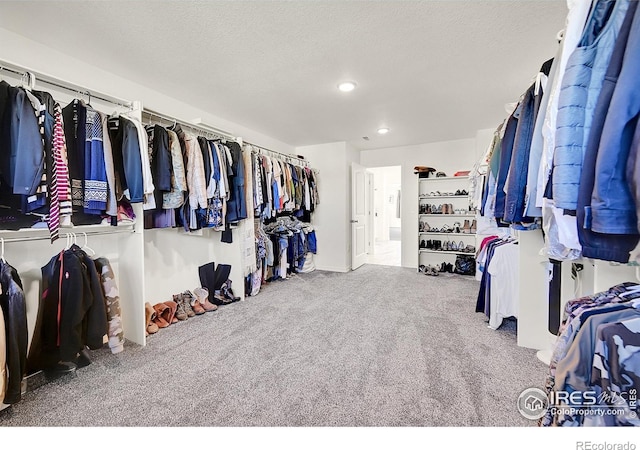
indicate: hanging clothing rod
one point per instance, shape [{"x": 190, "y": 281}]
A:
[
  {"x": 201, "y": 128},
  {"x": 288, "y": 157},
  {"x": 34, "y": 77},
  {"x": 47, "y": 237}
]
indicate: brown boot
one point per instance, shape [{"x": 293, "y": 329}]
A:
[
  {"x": 161, "y": 313},
  {"x": 149, "y": 315},
  {"x": 193, "y": 301},
  {"x": 170, "y": 314},
  {"x": 181, "y": 312}
]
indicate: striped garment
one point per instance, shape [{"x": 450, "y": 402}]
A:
[{"x": 59, "y": 188}]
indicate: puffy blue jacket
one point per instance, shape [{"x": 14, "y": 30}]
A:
[{"x": 580, "y": 88}]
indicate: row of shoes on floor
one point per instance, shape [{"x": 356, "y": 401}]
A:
[
  {"x": 467, "y": 228},
  {"x": 183, "y": 306},
  {"x": 446, "y": 208},
  {"x": 447, "y": 246},
  {"x": 437, "y": 269},
  {"x": 441, "y": 194}
]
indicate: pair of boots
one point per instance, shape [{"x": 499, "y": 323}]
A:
[
  {"x": 469, "y": 227},
  {"x": 194, "y": 303},
  {"x": 216, "y": 280},
  {"x": 160, "y": 315}
]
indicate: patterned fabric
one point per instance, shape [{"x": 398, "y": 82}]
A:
[
  {"x": 95, "y": 183},
  {"x": 572, "y": 321},
  {"x": 61, "y": 169},
  {"x": 112, "y": 304},
  {"x": 196, "y": 181},
  {"x": 175, "y": 198},
  {"x": 616, "y": 370}
]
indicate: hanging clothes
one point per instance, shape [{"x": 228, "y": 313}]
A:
[
  {"x": 72, "y": 313},
  {"x": 15, "y": 335}
]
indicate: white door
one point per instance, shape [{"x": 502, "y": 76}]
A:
[
  {"x": 370, "y": 208},
  {"x": 359, "y": 217}
]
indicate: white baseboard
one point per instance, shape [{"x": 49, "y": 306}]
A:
[{"x": 333, "y": 268}]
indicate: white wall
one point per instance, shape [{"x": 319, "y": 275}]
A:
[
  {"x": 170, "y": 259},
  {"x": 449, "y": 157},
  {"x": 331, "y": 218},
  {"x": 483, "y": 140},
  {"x": 20, "y": 50}
]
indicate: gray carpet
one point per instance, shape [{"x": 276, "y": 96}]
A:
[{"x": 380, "y": 346}]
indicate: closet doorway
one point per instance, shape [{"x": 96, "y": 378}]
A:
[{"x": 386, "y": 223}]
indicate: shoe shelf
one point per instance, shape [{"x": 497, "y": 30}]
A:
[
  {"x": 447, "y": 252},
  {"x": 466, "y": 177},
  {"x": 452, "y": 194},
  {"x": 439, "y": 233},
  {"x": 449, "y": 215},
  {"x": 425, "y": 197}
]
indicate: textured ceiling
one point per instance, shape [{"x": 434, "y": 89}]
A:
[{"x": 429, "y": 70}]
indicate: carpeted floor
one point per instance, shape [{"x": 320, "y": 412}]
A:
[{"x": 380, "y": 346}]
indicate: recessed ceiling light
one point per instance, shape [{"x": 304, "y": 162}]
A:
[
  {"x": 383, "y": 130},
  {"x": 347, "y": 86}
]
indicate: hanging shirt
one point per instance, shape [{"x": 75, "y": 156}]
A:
[
  {"x": 196, "y": 181},
  {"x": 505, "y": 284}
]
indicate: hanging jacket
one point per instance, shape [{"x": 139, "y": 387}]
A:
[
  {"x": 21, "y": 151},
  {"x": 12, "y": 302},
  {"x": 600, "y": 245},
  {"x": 72, "y": 311},
  {"x": 236, "y": 206},
  {"x": 175, "y": 198},
  {"x": 581, "y": 85},
  {"x": 613, "y": 209},
  {"x": 3, "y": 357},
  {"x": 75, "y": 118},
  {"x": 196, "y": 180},
  {"x": 160, "y": 159}
]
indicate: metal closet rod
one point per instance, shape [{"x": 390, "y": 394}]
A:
[
  {"x": 302, "y": 161},
  {"x": 124, "y": 229},
  {"x": 34, "y": 76},
  {"x": 200, "y": 128}
]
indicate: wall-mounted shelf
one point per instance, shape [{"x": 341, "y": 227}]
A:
[
  {"x": 426, "y": 197},
  {"x": 448, "y": 252},
  {"x": 441, "y": 233},
  {"x": 449, "y": 215},
  {"x": 447, "y": 187}
]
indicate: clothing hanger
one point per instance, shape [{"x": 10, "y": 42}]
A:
[
  {"x": 2, "y": 251},
  {"x": 86, "y": 248}
]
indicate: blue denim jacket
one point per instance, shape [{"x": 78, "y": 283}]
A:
[
  {"x": 612, "y": 206},
  {"x": 598, "y": 245}
]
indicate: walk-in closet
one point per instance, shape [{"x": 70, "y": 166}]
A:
[{"x": 352, "y": 215}]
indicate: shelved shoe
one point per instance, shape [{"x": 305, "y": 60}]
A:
[
  {"x": 466, "y": 228},
  {"x": 474, "y": 227}
]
